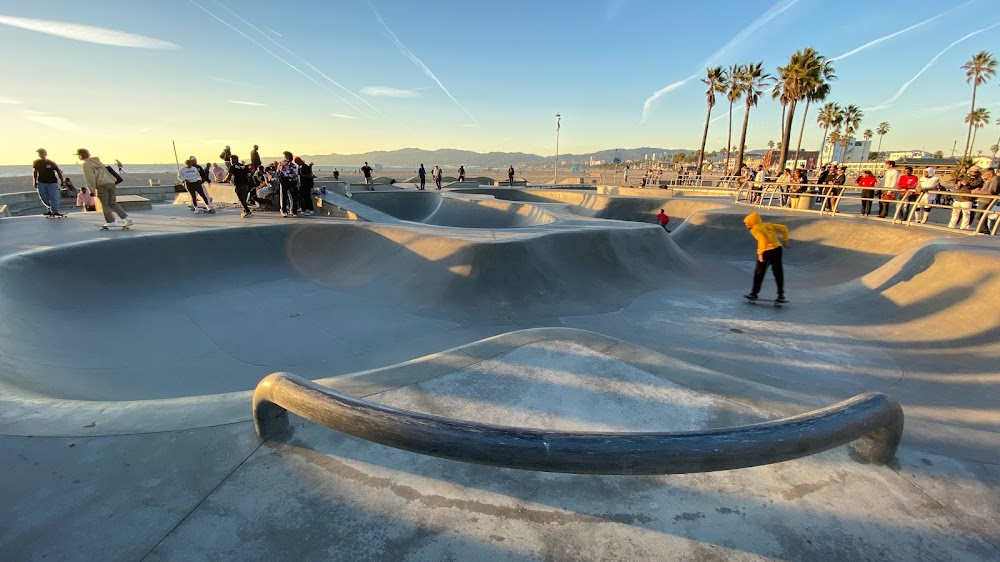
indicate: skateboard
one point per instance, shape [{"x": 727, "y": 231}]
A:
[
  {"x": 772, "y": 301},
  {"x": 105, "y": 227},
  {"x": 59, "y": 216}
]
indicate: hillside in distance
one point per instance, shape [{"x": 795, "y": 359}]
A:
[{"x": 452, "y": 158}]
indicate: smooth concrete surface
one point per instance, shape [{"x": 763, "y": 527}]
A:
[
  {"x": 117, "y": 444},
  {"x": 433, "y": 207}
]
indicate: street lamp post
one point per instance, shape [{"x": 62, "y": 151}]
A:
[{"x": 555, "y": 174}]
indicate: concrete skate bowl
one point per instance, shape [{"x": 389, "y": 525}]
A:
[
  {"x": 586, "y": 203},
  {"x": 209, "y": 312},
  {"x": 823, "y": 251},
  {"x": 435, "y": 209}
]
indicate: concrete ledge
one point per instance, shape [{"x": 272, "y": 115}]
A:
[{"x": 129, "y": 203}]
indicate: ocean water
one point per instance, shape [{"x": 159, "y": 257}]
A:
[{"x": 74, "y": 168}]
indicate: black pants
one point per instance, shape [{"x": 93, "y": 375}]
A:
[
  {"x": 883, "y": 208},
  {"x": 772, "y": 259},
  {"x": 195, "y": 188},
  {"x": 866, "y": 205},
  {"x": 242, "y": 193},
  {"x": 423, "y": 182},
  {"x": 289, "y": 195},
  {"x": 305, "y": 194}
]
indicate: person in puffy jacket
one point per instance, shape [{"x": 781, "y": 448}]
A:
[{"x": 770, "y": 239}]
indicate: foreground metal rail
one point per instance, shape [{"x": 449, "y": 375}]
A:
[{"x": 876, "y": 418}]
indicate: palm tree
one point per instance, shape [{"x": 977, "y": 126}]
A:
[
  {"x": 733, "y": 94},
  {"x": 868, "y": 137},
  {"x": 977, "y": 120},
  {"x": 770, "y": 145},
  {"x": 998, "y": 139},
  {"x": 938, "y": 154},
  {"x": 850, "y": 119},
  {"x": 828, "y": 117},
  {"x": 978, "y": 70},
  {"x": 717, "y": 81},
  {"x": 753, "y": 80},
  {"x": 994, "y": 149},
  {"x": 882, "y": 129},
  {"x": 821, "y": 89},
  {"x": 802, "y": 76}
]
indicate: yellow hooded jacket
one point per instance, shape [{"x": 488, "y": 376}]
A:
[{"x": 766, "y": 233}]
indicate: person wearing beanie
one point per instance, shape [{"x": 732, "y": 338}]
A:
[{"x": 769, "y": 249}]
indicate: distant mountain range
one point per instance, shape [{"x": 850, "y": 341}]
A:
[{"x": 452, "y": 158}]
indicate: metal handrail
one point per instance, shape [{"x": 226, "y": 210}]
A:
[
  {"x": 764, "y": 195},
  {"x": 875, "y": 418}
]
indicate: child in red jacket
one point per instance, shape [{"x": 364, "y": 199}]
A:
[{"x": 664, "y": 219}]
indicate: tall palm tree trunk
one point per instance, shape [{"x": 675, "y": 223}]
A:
[
  {"x": 704, "y": 137},
  {"x": 802, "y": 130},
  {"x": 879, "y": 151},
  {"x": 786, "y": 135},
  {"x": 822, "y": 145},
  {"x": 973, "y": 144},
  {"x": 968, "y": 137},
  {"x": 743, "y": 137},
  {"x": 729, "y": 139}
]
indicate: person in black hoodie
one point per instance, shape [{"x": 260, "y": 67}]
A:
[
  {"x": 306, "y": 183},
  {"x": 241, "y": 175}
]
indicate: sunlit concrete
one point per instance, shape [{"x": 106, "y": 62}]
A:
[{"x": 128, "y": 357}]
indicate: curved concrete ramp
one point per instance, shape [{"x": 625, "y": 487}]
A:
[{"x": 436, "y": 209}]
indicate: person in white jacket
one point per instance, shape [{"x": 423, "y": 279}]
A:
[
  {"x": 190, "y": 176},
  {"x": 100, "y": 182}
]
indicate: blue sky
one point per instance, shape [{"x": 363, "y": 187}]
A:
[{"x": 473, "y": 75}]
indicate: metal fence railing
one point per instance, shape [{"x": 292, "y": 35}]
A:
[{"x": 915, "y": 209}]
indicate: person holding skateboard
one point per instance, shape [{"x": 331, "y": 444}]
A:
[{"x": 769, "y": 248}]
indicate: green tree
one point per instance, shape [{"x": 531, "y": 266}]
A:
[
  {"x": 977, "y": 120},
  {"x": 754, "y": 80},
  {"x": 938, "y": 154},
  {"x": 717, "y": 81},
  {"x": 821, "y": 89},
  {"x": 733, "y": 94},
  {"x": 978, "y": 70},
  {"x": 770, "y": 145},
  {"x": 882, "y": 129},
  {"x": 868, "y": 134},
  {"x": 850, "y": 119},
  {"x": 799, "y": 78},
  {"x": 994, "y": 149},
  {"x": 828, "y": 117}
]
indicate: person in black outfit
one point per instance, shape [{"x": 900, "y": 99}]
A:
[
  {"x": 510, "y": 175},
  {"x": 241, "y": 175},
  {"x": 255, "y": 157},
  {"x": 461, "y": 173},
  {"x": 306, "y": 183},
  {"x": 422, "y": 174}
]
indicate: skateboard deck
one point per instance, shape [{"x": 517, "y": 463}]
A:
[
  {"x": 772, "y": 301},
  {"x": 105, "y": 227}
]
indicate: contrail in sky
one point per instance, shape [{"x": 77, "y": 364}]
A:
[
  {"x": 409, "y": 54},
  {"x": 929, "y": 64},
  {"x": 774, "y": 12},
  {"x": 714, "y": 119},
  {"x": 307, "y": 63},
  {"x": 87, "y": 33},
  {"x": 891, "y": 35}
]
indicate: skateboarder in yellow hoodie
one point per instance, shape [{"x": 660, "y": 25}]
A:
[{"x": 768, "y": 253}]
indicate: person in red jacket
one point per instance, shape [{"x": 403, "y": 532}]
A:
[
  {"x": 867, "y": 183},
  {"x": 907, "y": 192},
  {"x": 664, "y": 219}
]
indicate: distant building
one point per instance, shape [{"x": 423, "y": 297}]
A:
[
  {"x": 903, "y": 154},
  {"x": 857, "y": 151}
]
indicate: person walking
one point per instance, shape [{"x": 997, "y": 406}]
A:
[
  {"x": 890, "y": 181},
  {"x": 436, "y": 176},
  {"x": 241, "y": 174},
  {"x": 625, "y": 177},
  {"x": 367, "y": 171},
  {"x": 929, "y": 182},
  {"x": 255, "y": 157},
  {"x": 190, "y": 177},
  {"x": 306, "y": 183},
  {"x": 100, "y": 182},
  {"x": 510, "y": 174},
  {"x": 461, "y": 173},
  {"x": 46, "y": 177},
  {"x": 769, "y": 249},
  {"x": 288, "y": 178},
  {"x": 422, "y": 174}
]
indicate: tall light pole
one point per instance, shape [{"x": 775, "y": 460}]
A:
[{"x": 555, "y": 174}]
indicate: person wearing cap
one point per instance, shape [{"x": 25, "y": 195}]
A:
[
  {"x": 929, "y": 182},
  {"x": 46, "y": 177},
  {"x": 961, "y": 207},
  {"x": 990, "y": 188},
  {"x": 101, "y": 183}
]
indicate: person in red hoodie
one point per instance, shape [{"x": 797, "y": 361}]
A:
[
  {"x": 664, "y": 219},
  {"x": 907, "y": 193},
  {"x": 867, "y": 183}
]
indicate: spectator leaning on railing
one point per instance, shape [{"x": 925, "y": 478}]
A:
[
  {"x": 961, "y": 207},
  {"x": 986, "y": 204},
  {"x": 929, "y": 182}
]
